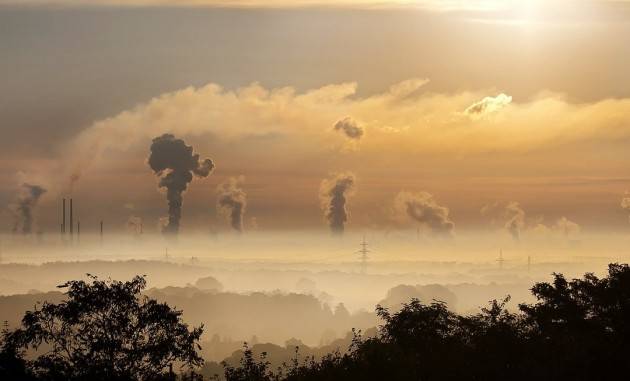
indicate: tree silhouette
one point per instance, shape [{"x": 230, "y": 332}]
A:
[
  {"x": 105, "y": 331},
  {"x": 577, "y": 330}
]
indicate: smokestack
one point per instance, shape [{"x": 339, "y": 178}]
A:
[
  {"x": 63, "y": 224},
  {"x": 78, "y": 231},
  {"x": 71, "y": 221},
  {"x": 101, "y": 231}
]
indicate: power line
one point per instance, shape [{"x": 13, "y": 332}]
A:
[
  {"x": 363, "y": 255},
  {"x": 501, "y": 260}
]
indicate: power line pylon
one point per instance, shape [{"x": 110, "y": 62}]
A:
[
  {"x": 363, "y": 255},
  {"x": 501, "y": 260}
]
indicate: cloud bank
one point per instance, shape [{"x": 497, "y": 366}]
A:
[{"x": 404, "y": 121}]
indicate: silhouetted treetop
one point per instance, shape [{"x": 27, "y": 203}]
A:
[{"x": 105, "y": 330}]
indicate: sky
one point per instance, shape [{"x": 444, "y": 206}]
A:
[{"x": 447, "y": 115}]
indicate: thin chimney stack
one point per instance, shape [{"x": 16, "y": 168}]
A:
[
  {"x": 71, "y": 221},
  {"x": 63, "y": 224}
]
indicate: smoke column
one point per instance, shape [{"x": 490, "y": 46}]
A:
[
  {"x": 333, "y": 195},
  {"x": 134, "y": 225},
  {"x": 625, "y": 203},
  {"x": 175, "y": 163},
  {"x": 423, "y": 209},
  {"x": 232, "y": 201},
  {"x": 510, "y": 214},
  {"x": 26, "y": 204}
]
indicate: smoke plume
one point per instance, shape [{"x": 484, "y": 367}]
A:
[
  {"x": 135, "y": 225},
  {"x": 333, "y": 195},
  {"x": 349, "y": 127},
  {"x": 25, "y": 206},
  {"x": 510, "y": 215},
  {"x": 232, "y": 201},
  {"x": 175, "y": 163},
  {"x": 423, "y": 209},
  {"x": 625, "y": 203},
  {"x": 566, "y": 227}
]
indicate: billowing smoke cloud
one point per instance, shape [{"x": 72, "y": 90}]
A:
[
  {"x": 24, "y": 208},
  {"x": 566, "y": 227},
  {"x": 176, "y": 163},
  {"x": 510, "y": 215},
  {"x": 422, "y": 208},
  {"x": 488, "y": 105},
  {"x": 625, "y": 203},
  {"x": 232, "y": 201},
  {"x": 349, "y": 127},
  {"x": 333, "y": 194}
]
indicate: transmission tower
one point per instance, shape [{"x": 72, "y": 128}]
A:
[
  {"x": 363, "y": 255},
  {"x": 501, "y": 260}
]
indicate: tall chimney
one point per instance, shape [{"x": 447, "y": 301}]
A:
[
  {"x": 71, "y": 221},
  {"x": 78, "y": 231},
  {"x": 101, "y": 232},
  {"x": 63, "y": 224}
]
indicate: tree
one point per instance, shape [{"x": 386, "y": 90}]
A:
[
  {"x": 105, "y": 331},
  {"x": 250, "y": 369}
]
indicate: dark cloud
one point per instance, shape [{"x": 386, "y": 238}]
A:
[
  {"x": 349, "y": 127},
  {"x": 423, "y": 209},
  {"x": 232, "y": 201},
  {"x": 176, "y": 163},
  {"x": 24, "y": 208},
  {"x": 333, "y": 195}
]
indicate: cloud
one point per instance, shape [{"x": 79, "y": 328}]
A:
[
  {"x": 488, "y": 105},
  {"x": 431, "y": 5},
  {"x": 349, "y": 127},
  {"x": 403, "y": 122},
  {"x": 422, "y": 208},
  {"x": 334, "y": 195}
]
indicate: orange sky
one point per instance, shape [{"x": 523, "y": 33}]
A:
[{"x": 519, "y": 103}]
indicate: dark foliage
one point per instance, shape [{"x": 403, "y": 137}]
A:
[
  {"x": 103, "y": 331},
  {"x": 578, "y": 330}
]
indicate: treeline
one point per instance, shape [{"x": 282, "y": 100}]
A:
[{"x": 577, "y": 329}]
